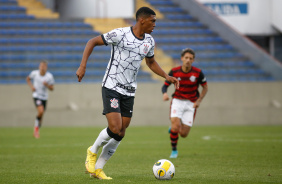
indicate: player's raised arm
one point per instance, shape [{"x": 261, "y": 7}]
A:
[
  {"x": 155, "y": 67},
  {"x": 86, "y": 53}
]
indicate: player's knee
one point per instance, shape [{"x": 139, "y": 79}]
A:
[
  {"x": 40, "y": 113},
  {"x": 115, "y": 128},
  {"x": 175, "y": 128},
  {"x": 184, "y": 131},
  {"x": 122, "y": 133},
  {"x": 185, "y": 134},
  {"x": 114, "y": 135}
]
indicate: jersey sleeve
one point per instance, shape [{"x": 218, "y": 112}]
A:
[
  {"x": 202, "y": 78},
  {"x": 32, "y": 74},
  {"x": 112, "y": 37},
  {"x": 51, "y": 80},
  {"x": 151, "y": 51}
]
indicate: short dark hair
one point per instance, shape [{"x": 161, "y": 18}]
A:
[
  {"x": 44, "y": 61},
  {"x": 144, "y": 11},
  {"x": 188, "y": 50}
]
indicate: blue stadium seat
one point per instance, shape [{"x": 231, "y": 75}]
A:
[
  {"x": 189, "y": 40},
  {"x": 154, "y": 3},
  {"x": 196, "y": 47},
  {"x": 178, "y": 24},
  {"x": 37, "y": 24},
  {"x": 170, "y": 9},
  {"x": 16, "y": 16},
  {"x": 178, "y": 17},
  {"x": 43, "y": 40},
  {"x": 48, "y": 48},
  {"x": 55, "y": 57},
  {"x": 6, "y": 74},
  {"x": 47, "y": 32},
  {"x": 213, "y": 55},
  {"x": 12, "y": 8},
  {"x": 181, "y": 31},
  {"x": 8, "y": 1}
]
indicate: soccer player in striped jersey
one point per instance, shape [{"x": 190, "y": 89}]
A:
[
  {"x": 186, "y": 99},
  {"x": 130, "y": 45}
]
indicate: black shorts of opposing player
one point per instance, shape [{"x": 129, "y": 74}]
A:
[
  {"x": 116, "y": 102},
  {"x": 39, "y": 102}
]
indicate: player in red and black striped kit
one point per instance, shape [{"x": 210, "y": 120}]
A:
[{"x": 186, "y": 99}]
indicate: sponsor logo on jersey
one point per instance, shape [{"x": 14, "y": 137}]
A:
[
  {"x": 129, "y": 89},
  {"x": 114, "y": 103},
  {"x": 179, "y": 78},
  {"x": 110, "y": 35},
  {"x": 192, "y": 78}
]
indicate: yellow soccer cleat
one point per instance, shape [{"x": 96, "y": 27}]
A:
[
  {"x": 99, "y": 173},
  {"x": 90, "y": 161}
]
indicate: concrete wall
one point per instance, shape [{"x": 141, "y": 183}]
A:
[
  {"x": 96, "y": 8},
  {"x": 225, "y": 104},
  {"x": 276, "y": 14}
]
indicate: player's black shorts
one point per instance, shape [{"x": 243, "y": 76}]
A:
[
  {"x": 116, "y": 102},
  {"x": 39, "y": 102}
]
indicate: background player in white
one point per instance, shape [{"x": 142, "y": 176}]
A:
[
  {"x": 129, "y": 46},
  {"x": 42, "y": 82},
  {"x": 186, "y": 99}
]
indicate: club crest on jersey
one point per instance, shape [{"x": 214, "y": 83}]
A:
[
  {"x": 114, "y": 103},
  {"x": 146, "y": 48},
  {"x": 192, "y": 78}
]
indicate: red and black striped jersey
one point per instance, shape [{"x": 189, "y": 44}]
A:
[{"x": 188, "y": 83}]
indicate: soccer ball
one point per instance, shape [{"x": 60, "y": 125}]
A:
[{"x": 163, "y": 169}]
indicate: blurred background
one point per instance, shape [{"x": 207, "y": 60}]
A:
[{"x": 238, "y": 46}]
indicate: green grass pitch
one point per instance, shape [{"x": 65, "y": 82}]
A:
[{"x": 210, "y": 154}]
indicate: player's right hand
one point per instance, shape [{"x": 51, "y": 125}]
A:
[{"x": 80, "y": 73}]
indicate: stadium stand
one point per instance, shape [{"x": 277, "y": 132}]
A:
[
  {"x": 27, "y": 37},
  {"x": 218, "y": 59}
]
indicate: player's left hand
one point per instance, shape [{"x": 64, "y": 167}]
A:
[{"x": 196, "y": 104}]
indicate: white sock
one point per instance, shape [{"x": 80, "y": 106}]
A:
[
  {"x": 36, "y": 123},
  {"x": 107, "y": 152},
  {"x": 101, "y": 140}
]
